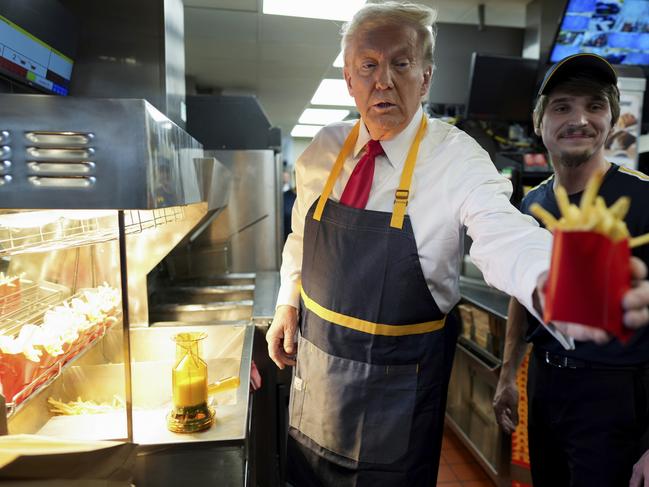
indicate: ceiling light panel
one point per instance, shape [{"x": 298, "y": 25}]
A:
[
  {"x": 332, "y": 92},
  {"x": 305, "y": 130},
  {"x": 322, "y": 116}
]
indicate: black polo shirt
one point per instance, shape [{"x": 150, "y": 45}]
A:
[{"x": 618, "y": 181}]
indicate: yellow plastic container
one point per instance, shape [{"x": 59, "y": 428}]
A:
[{"x": 190, "y": 411}]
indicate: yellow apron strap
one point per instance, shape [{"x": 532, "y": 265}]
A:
[
  {"x": 403, "y": 191},
  {"x": 348, "y": 146}
]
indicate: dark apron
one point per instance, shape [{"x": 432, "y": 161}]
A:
[{"x": 374, "y": 355}]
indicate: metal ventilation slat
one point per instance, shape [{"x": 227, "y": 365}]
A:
[
  {"x": 63, "y": 139},
  {"x": 62, "y": 182},
  {"x": 60, "y": 154},
  {"x": 61, "y": 168}
]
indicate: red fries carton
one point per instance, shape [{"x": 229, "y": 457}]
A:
[
  {"x": 16, "y": 371},
  {"x": 589, "y": 275}
]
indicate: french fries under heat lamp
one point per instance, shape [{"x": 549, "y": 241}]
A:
[{"x": 589, "y": 271}]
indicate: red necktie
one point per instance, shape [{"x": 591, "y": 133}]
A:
[{"x": 357, "y": 191}]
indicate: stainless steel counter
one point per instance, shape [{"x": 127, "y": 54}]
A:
[
  {"x": 219, "y": 456},
  {"x": 227, "y": 351},
  {"x": 224, "y": 455},
  {"x": 477, "y": 292},
  {"x": 231, "y": 413}
]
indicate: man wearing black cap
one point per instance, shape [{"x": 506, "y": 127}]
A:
[{"x": 588, "y": 407}]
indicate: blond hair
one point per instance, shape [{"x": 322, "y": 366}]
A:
[{"x": 420, "y": 17}]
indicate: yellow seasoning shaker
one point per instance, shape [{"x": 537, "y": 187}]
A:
[{"x": 190, "y": 411}]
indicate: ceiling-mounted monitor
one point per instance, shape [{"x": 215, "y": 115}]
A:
[
  {"x": 35, "y": 45},
  {"x": 615, "y": 29},
  {"x": 501, "y": 88}
]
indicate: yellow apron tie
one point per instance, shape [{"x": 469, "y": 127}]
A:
[
  {"x": 368, "y": 326},
  {"x": 403, "y": 191}
]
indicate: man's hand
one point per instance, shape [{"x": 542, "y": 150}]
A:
[
  {"x": 281, "y": 336},
  {"x": 635, "y": 304},
  {"x": 636, "y": 299},
  {"x": 505, "y": 404},
  {"x": 640, "y": 476}
]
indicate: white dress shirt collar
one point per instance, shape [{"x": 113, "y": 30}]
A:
[{"x": 396, "y": 149}]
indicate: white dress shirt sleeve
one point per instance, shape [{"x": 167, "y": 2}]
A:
[
  {"x": 291, "y": 270},
  {"x": 510, "y": 248}
]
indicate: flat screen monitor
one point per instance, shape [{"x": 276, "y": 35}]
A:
[
  {"x": 28, "y": 56},
  {"x": 501, "y": 88},
  {"x": 615, "y": 29}
]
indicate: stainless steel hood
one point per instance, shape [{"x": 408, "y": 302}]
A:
[{"x": 90, "y": 153}]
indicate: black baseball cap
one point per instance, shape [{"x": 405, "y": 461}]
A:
[{"x": 578, "y": 63}]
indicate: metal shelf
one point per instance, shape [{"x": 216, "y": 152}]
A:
[
  {"x": 49, "y": 230},
  {"x": 486, "y": 359},
  {"x": 28, "y": 303}
]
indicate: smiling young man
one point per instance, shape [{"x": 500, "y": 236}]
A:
[{"x": 588, "y": 408}]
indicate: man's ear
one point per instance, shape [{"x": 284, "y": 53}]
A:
[
  {"x": 348, "y": 81},
  {"x": 428, "y": 74},
  {"x": 537, "y": 128}
]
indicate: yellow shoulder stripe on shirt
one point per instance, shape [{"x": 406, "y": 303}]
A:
[
  {"x": 542, "y": 183},
  {"x": 637, "y": 174},
  {"x": 367, "y": 326}
]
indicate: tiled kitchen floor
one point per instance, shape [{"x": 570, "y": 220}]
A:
[{"x": 457, "y": 467}]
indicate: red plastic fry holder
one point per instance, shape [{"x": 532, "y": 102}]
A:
[{"x": 589, "y": 275}]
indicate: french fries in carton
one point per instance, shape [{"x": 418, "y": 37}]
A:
[
  {"x": 38, "y": 351},
  {"x": 589, "y": 270}
]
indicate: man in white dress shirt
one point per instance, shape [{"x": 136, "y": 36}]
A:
[{"x": 373, "y": 266}]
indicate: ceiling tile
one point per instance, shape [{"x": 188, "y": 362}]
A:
[
  {"x": 506, "y": 13},
  {"x": 275, "y": 28},
  {"x": 298, "y": 55},
  {"x": 247, "y": 5},
  {"x": 221, "y": 24},
  {"x": 209, "y": 49}
]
